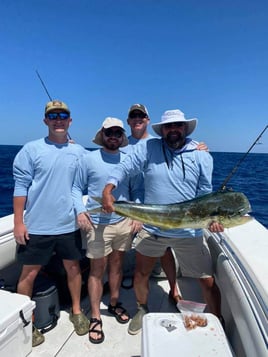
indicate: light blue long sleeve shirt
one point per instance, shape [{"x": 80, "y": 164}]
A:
[
  {"x": 170, "y": 176},
  {"x": 93, "y": 171},
  {"x": 44, "y": 173},
  {"x": 133, "y": 141}
]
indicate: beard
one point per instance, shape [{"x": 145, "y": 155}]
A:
[
  {"x": 175, "y": 139},
  {"x": 112, "y": 145}
]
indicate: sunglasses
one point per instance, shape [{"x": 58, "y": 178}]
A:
[
  {"x": 133, "y": 115},
  {"x": 113, "y": 133},
  {"x": 55, "y": 116},
  {"x": 173, "y": 125}
]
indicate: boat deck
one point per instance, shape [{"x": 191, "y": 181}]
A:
[
  {"x": 239, "y": 258},
  {"x": 63, "y": 341}
]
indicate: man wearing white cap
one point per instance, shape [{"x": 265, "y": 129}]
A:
[
  {"x": 108, "y": 235},
  {"x": 174, "y": 171}
]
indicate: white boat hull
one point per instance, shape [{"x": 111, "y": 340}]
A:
[
  {"x": 241, "y": 270},
  {"x": 7, "y": 242}
]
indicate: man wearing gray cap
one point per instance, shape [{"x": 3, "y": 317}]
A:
[{"x": 174, "y": 171}]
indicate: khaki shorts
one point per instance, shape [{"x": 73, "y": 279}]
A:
[
  {"x": 193, "y": 254},
  {"x": 103, "y": 239}
]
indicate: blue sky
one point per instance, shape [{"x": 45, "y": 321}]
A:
[{"x": 207, "y": 58}]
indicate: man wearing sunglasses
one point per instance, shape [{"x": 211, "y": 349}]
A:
[
  {"x": 138, "y": 121},
  {"x": 44, "y": 171},
  {"x": 108, "y": 235}
]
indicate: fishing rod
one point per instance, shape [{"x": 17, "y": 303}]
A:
[
  {"x": 43, "y": 84},
  {"x": 45, "y": 88},
  {"x": 223, "y": 186}
]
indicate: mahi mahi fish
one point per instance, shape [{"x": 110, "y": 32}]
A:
[{"x": 226, "y": 207}]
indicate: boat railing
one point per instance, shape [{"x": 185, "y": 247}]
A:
[{"x": 241, "y": 257}]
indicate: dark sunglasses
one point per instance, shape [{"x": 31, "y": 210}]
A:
[
  {"x": 55, "y": 116},
  {"x": 174, "y": 125},
  {"x": 133, "y": 115},
  {"x": 113, "y": 133}
]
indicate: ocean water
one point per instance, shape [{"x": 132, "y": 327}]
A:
[{"x": 251, "y": 178}]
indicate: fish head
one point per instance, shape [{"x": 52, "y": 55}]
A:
[
  {"x": 231, "y": 209},
  {"x": 234, "y": 204}
]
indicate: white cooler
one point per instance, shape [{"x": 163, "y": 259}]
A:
[
  {"x": 15, "y": 324},
  {"x": 164, "y": 335}
]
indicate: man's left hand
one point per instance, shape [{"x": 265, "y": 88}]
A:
[{"x": 216, "y": 227}]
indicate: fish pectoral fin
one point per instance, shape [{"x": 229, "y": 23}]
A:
[
  {"x": 98, "y": 199},
  {"x": 95, "y": 210}
]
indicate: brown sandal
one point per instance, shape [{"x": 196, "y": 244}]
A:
[
  {"x": 95, "y": 322},
  {"x": 118, "y": 315}
]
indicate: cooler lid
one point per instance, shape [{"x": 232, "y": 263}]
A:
[
  {"x": 164, "y": 334},
  {"x": 11, "y": 305}
]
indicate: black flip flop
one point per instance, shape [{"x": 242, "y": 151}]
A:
[{"x": 95, "y": 322}]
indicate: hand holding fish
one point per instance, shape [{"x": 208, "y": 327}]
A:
[
  {"x": 108, "y": 199},
  {"x": 84, "y": 221},
  {"x": 216, "y": 227}
]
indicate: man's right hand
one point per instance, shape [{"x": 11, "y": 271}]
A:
[{"x": 20, "y": 233}]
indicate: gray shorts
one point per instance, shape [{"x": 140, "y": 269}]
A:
[
  {"x": 193, "y": 254},
  {"x": 103, "y": 239}
]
